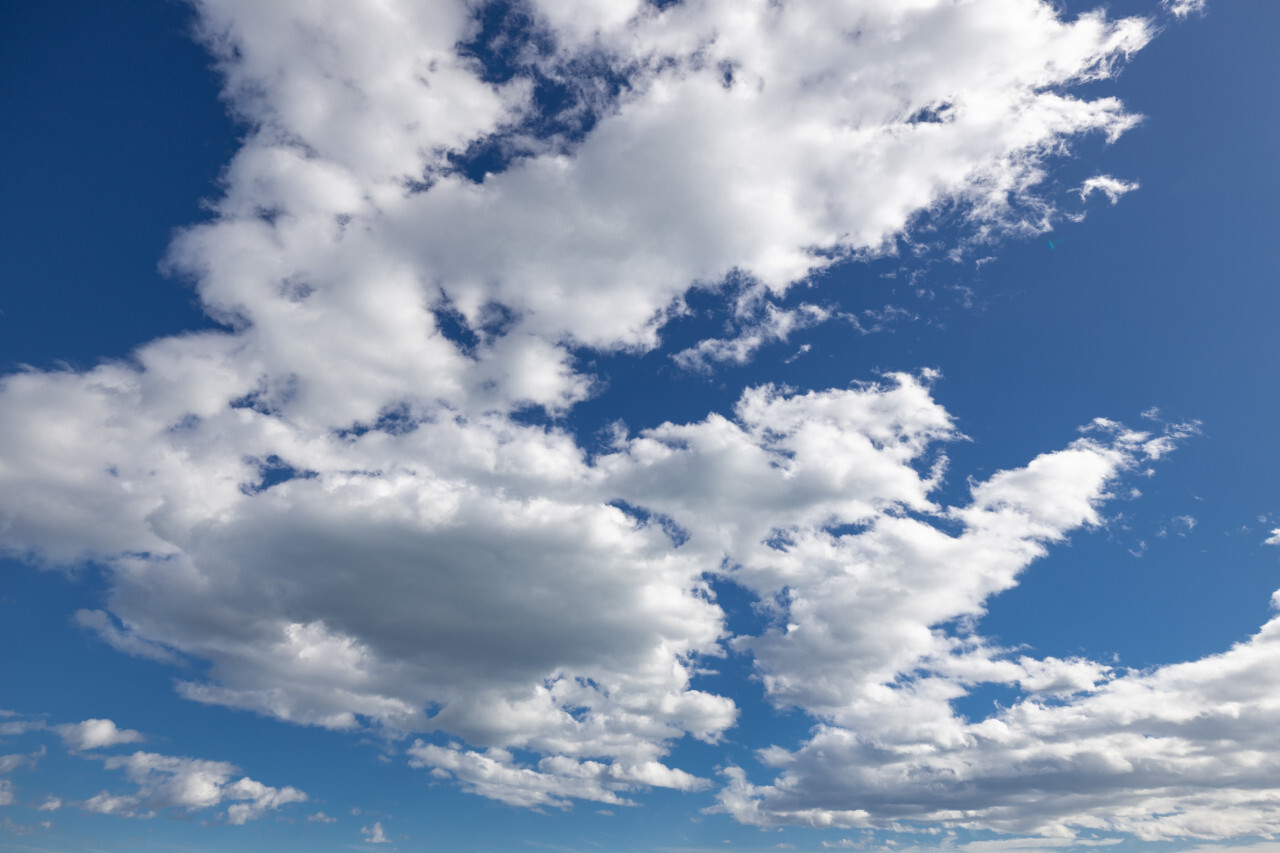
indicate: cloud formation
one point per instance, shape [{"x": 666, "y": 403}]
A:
[
  {"x": 1185, "y": 750},
  {"x": 363, "y": 504},
  {"x": 374, "y": 834},
  {"x": 95, "y": 734},
  {"x": 191, "y": 784}
]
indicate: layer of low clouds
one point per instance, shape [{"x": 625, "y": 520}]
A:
[{"x": 336, "y": 506}]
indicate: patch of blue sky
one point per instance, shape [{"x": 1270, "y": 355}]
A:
[{"x": 121, "y": 136}]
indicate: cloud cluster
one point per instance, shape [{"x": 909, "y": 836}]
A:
[
  {"x": 192, "y": 784},
  {"x": 1187, "y": 750},
  {"x": 163, "y": 781},
  {"x": 374, "y": 834},
  {"x": 556, "y": 782},
  {"x": 340, "y": 505}
]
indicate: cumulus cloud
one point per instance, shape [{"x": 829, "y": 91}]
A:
[
  {"x": 1274, "y": 538},
  {"x": 191, "y": 784},
  {"x": 1184, "y": 750},
  {"x": 335, "y": 503},
  {"x": 374, "y": 834},
  {"x": 15, "y": 828},
  {"x": 13, "y": 761},
  {"x": 95, "y": 734}
]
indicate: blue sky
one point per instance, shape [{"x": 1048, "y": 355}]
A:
[{"x": 627, "y": 426}]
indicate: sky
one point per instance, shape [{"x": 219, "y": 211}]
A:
[{"x": 618, "y": 425}]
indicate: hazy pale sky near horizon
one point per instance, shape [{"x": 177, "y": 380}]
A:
[{"x": 635, "y": 426}]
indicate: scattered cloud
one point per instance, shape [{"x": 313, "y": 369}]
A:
[
  {"x": 1113, "y": 189},
  {"x": 1180, "y": 751},
  {"x": 190, "y": 784},
  {"x": 374, "y": 834},
  {"x": 556, "y": 782},
  {"x": 773, "y": 324},
  {"x": 338, "y": 504},
  {"x": 95, "y": 734},
  {"x": 1183, "y": 8}
]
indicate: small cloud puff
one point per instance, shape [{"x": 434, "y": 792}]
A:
[
  {"x": 1113, "y": 188},
  {"x": 95, "y": 734},
  {"x": 1274, "y": 538},
  {"x": 374, "y": 834},
  {"x": 1182, "y": 8}
]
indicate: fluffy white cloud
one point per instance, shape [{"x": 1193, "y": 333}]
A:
[
  {"x": 192, "y": 784},
  {"x": 1186, "y": 750},
  {"x": 875, "y": 637},
  {"x": 332, "y": 504},
  {"x": 379, "y": 91},
  {"x": 95, "y": 734},
  {"x": 374, "y": 834}
]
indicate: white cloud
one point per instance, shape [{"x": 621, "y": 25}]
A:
[
  {"x": 51, "y": 804},
  {"x": 333, "y": 506},
  {"x": 555, "y": 782},
  {"x": 11, "y": 762},
  {"x": 374, "y": 834},
  {"x": 95, "y": 734},
  {"x": 6, "y": 792},
  {"x": 1183, "y": 8},
  {"x": 321, "y": 817},
  {"x": 774, "y": 325},
  {"x": 191, "y": 784},
  {"x": 1274, "y": 538},
  {"x": 1113, "y": 189},
  {"x": 1185, "y": 750}
]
